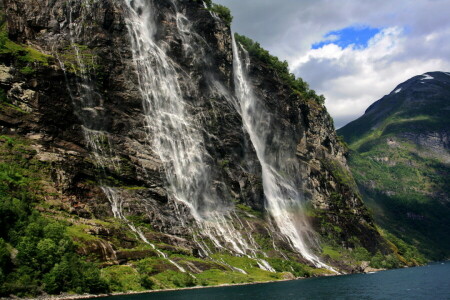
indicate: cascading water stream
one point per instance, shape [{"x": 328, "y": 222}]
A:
[
  {"x": 89, "y": 109},
  {"x": 174, "y": 132},
  {"x": 176, "y": 136},
  {"x": 283, "y": 199},
  {"x": 116, "y": 206}
]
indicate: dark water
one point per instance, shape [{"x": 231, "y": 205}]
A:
[{"x": 428, "y": 282}]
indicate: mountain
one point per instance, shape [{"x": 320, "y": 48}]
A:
[
  {"x": 401, "y": 161},
  {"x": 144, "y": 147}
]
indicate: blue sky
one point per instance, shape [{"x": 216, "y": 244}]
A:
[
  {"x": 353, "y": 52},
  {"x": 358, "y": 36}
]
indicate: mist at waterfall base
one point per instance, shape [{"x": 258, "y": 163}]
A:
[
  {"x": 176, "y": 136},
  {"x": 427, "y": 282}
]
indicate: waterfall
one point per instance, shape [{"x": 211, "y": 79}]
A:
[
  {"x": 284, "y": 201},
  {"x": 116, "y": 205},
  {"x": 87, "y": 101},
  {"x": 88, "y": 104},
  {"x": 172, "y": 130},
  {"x": 175, "y": 133}
]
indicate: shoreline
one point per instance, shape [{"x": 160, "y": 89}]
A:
[{"x": 92, "y": 296}]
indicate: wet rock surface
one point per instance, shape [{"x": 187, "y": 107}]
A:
[{"x": 48, "y": 108}]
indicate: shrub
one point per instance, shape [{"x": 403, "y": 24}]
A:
[
  {"x": 174, "y": 279},
  {"x": 46, "y": 258},
  {"x": 71, "y": 274},
  {"x": 280, "y": 67},
  {"x": 5, "y": 259},
  {"x": 222, "y": 12},
  {"x": 361, "y": 254},
  {"x": 122, "y": 278}
]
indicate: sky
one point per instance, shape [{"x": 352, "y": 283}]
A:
[{"x": 351, "y": 51}]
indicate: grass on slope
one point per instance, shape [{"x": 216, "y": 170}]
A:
[
  {"x": 404, "y": 184},
  {"x": 403, "y": 189}
]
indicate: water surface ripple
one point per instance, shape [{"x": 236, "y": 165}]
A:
[{"x": 427, "y": 282}]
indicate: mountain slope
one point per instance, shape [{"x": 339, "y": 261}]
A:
[
  {"x": 401, "y": 161},
  {"x": 144, "y": 159}
]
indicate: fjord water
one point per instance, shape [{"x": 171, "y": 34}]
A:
[{"x": 427, "y": 282}]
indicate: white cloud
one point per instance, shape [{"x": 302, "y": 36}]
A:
[
  {"x": 415, "y": 40},
  {"x": 360, "y": 76}
]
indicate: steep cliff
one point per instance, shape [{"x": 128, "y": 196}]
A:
[
  {"x": 131, "y": 108},
  {"x": 400, "y": 159}
]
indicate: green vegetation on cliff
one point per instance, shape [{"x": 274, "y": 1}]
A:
[
  {"x": 399, "y": 186},
  {"x": 41, "y": 244},
  {"x": 58, "y": 234},
  {"x": 36, "y": 254},
  {"x": 221, "y": 11},
  {"x": 25, "y": 57},
  {"x": 281, "y": 68}
]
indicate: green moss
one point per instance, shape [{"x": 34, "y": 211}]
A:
[
  {"x": 215, "y": 277},
  {"x": 133, "y": 187},
  {"x": 26, "y": 58},
  {"x": 79, "y": 234},
  {"x": 264, "y": 241},
  {"x": 184, "y": 259},
  {"x": 340, "y": 173},
  {"x": 244, "y": 263},
  {"x": 224, "y": 163},
  {"x": 329, "y": 251},
  {"x": 80, "y": 59},
  {"x": 140, "y": 221},
  {"x": 172, "y": 279},
  {"x": 249, "y": 210},
  {"x": 5, "y": 106},
  {"x": 250, "y": 266},
  {"x": 297, "y": 269},
  {"x": 23, "y": 54},
  {"x": 122, "y": 278},
  {"x": 27, "y": 70}
]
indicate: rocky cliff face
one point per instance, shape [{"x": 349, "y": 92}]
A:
[{"x": 71, "y": 87}]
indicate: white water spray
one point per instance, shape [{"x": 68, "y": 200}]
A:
[
  {"x": 89, "y": 109},
  {"x": 174, "y": 132},
  {"x": 116, "y": 205},
  {"x": 283, "y": 199}
]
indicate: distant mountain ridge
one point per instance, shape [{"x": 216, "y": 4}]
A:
[
  {"x": 401, "y": 161},
  {"x": 422, "y": 94}
]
